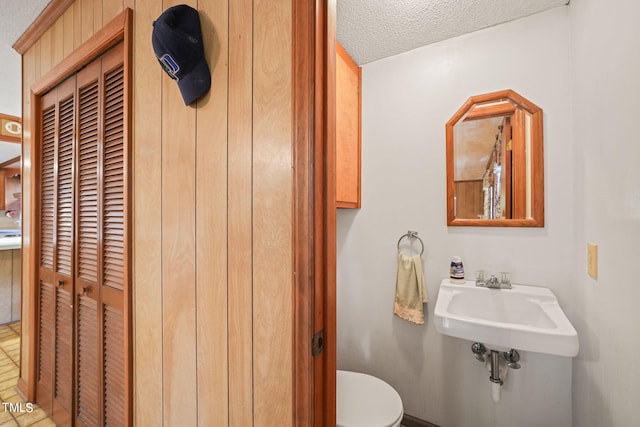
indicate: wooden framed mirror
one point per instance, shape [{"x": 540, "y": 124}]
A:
[{"x": 495, "y": 167}]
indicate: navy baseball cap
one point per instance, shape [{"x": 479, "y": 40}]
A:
[{"x": 177, "y": 43}]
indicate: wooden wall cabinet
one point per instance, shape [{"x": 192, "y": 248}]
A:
[
  {"x": 348, "y": 130},
  {"x": 9, "y": 187}
]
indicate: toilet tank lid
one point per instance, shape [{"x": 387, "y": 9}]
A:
[{"x": 364, "y": 400}]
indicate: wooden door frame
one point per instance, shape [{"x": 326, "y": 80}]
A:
[
  {"x": 314, "y": 210},
  {"x": 117, "y": 30}
]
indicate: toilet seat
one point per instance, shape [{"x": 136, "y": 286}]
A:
[{"x": 366, "y": 401}]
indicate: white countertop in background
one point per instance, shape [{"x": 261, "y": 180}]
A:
[{"x": 10, "y": 242}]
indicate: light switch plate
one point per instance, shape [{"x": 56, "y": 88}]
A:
[{"x": 592, "y": 260}]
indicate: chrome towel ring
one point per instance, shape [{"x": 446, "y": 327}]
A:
[{"x": 412, "y": 235}]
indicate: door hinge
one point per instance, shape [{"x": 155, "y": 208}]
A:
[{"x": 317, "y": 343}]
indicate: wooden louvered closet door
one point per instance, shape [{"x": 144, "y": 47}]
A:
[
  {"x": 82, "y": 325},
  {"x": 56, "y": 262}
]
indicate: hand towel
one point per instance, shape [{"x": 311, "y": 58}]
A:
[{"x": 410, "y": 289}]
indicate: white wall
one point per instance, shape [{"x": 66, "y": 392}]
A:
[
  {"x": 407, "y": 99},
  {"x": 605, "y": 51},
  {"x": 10, "y": 82}
]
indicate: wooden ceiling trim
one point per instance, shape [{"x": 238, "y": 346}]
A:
[
  {"x": 43, "y": 22},
  {"x": 109, "y": 35}
]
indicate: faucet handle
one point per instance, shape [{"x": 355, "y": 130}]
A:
[
  {"x": 481, "y": 278},
  {"x": 505, "y": 279}
]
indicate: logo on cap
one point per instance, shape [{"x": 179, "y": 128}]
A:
[{"x": 169, "y": 65}]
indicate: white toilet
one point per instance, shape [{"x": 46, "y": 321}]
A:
[{"x": 366, "y": 401}]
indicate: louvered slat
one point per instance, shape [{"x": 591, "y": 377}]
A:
[
  {"x": 113, "y": 176},
  {"x": 64, "y": 340},
  {"x": 87, "y": 353},
  {"x": 47, "y": 189},
  {"x": 87, "y": 202},
  {"x": 64, "y": 237},
  {"x": 45, "y": 341},
  {"x": 113, "y": 330}
]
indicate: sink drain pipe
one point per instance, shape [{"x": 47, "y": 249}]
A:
[
  {"x": 496, "y": 381},
  {"x": 493, "y": 366}
]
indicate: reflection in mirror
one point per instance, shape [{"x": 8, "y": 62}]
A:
[
  {"x": 494, "y": 162},
  {"x": 10, "y": 184},
  {"x": 10, "y": 128}
]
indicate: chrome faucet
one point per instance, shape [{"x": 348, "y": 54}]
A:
[{"x": 494, "y": 283}]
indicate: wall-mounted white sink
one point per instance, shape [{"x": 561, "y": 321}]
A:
[{"x": 525, "y": 318}]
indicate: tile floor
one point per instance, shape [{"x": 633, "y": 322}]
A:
[{"x": 14, "y": 411}]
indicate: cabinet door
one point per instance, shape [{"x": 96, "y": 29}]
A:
[
  {"x": 348, "y": 130},
  {"x": 55, "y": 310},
  {"x": 63, "y": 352},
  {"x": 100, "y": 280},
  {"x": 46, "y": 279},
  {"x": 113, "y": 248},
  {"x": 88, "y": 371}
]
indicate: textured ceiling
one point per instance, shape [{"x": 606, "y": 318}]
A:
[
  {"x": 368, "y": 29},
  {"x": 374, "y": 29},
  {"x": 16, "y": 16}
]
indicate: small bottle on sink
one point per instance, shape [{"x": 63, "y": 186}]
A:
[{"x": 456, "y": 273}]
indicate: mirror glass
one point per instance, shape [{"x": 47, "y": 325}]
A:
[
  {"x": 495, "y": 162},
  {"x": 10, "y": 152},
  {"x": 10, "y": 140}
]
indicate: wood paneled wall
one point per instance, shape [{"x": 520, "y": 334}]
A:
[{"x": 212, "y": 214}]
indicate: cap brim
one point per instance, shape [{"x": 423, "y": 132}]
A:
[{"x": 196, "y": 83}]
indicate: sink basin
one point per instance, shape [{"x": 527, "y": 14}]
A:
[{"x": 525, "y": 318}]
